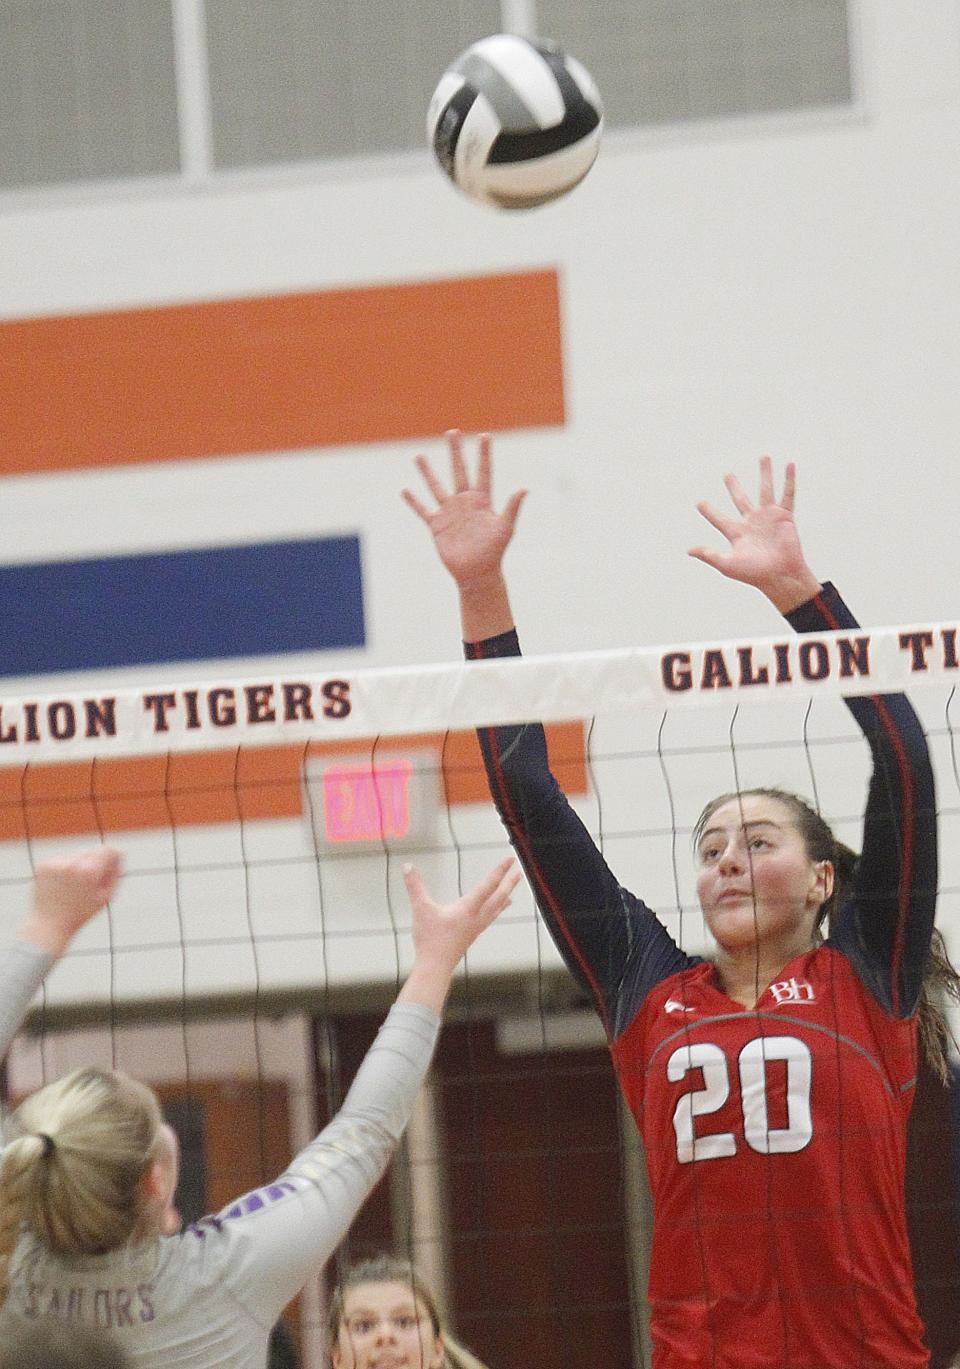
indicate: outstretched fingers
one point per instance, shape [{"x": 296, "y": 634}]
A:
[
  {"x": 416, "y": 888},
  {"x": 484, "y": 466},
  {"x": 710, "y": 556},
  {"x": 767, "y": 493},
  {"x": 433, "y": 482},
  {"x": 419, "y": 508},
  {"x": 715, "y": 559},
  {"x": 458, "y": 467},
  {"x": 738, "y": 494},
  {"x": 728, "y": 526},
  {"x": 485, "y": 901},
  {"x": 493, "y": 893},
  {"x": 766, "y": 481},
  {"x": 511, "y": 510},
  {"x": 789, "y": 487}
]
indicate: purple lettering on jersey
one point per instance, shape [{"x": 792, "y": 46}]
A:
[
  {"x": 111, "y": 1306},
  {"x": 147, "y": 1312},
  {"x": 103, "y": 1308},
  {"x": 197, "y": 1228},
  {"x": 255, "y": 1202}
]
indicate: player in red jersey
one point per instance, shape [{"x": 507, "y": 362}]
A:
[{"x": 772, "y": 1084}]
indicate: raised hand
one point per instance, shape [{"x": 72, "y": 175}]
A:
[
  {"x": 442, "y": 932},
  {"x": 764, "y": 546},
  {"x": 469, "y": 535},
  {"x": 67, "y": 893}
]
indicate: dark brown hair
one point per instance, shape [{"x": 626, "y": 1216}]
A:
[{"x": 939, "y": 976}]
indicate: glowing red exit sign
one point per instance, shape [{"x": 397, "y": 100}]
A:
[
  {"x": 384, "y": 795},
  {"x": 367, "y": 802}
]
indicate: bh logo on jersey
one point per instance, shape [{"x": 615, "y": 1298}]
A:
[{"x": 793, "y": 991}]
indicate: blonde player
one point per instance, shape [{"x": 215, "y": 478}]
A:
[
  {"x": 383, "y": 1313},
  {"x": 88, "y": 1232}
]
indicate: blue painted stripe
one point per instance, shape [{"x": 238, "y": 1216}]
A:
[{"x": 253, "y": 600}]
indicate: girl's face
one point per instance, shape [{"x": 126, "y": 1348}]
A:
[
  {"x": 755, "y": 880},
  {"x": 384, "y": 1326}
]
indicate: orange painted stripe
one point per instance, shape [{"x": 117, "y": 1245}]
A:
[
  {"x": 292, "y": 371},
  {"x": 75, "y": 797}
]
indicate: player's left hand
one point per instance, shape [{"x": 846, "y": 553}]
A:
[{"x": 764, "y": 546}]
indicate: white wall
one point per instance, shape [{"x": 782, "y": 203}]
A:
[{"x": 784, "y": 285}]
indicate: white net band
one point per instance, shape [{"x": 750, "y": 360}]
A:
[
  {"x": 265, "y": 822},
  {"x": 389, "y": 702}
]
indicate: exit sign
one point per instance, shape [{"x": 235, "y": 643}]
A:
[{"x": 389, "y": 798}]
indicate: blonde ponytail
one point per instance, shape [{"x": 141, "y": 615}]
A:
[
  {"x": 456, "y": 1356},
  {"x": 71, "y": 1172},
  {"x": 19, "y": 1175}
]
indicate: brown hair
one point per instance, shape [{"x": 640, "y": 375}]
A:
[
  {"x": 939, "y": 976},
  {"x": 73, "y": 1167},
  {"x": 392, "y": 1269}
]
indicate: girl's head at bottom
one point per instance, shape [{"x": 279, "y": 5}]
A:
[
  {"x": 54, "y": 1345},
  {"x": 90, "y": 1166},
  {"x": 383, "y": 1314}
]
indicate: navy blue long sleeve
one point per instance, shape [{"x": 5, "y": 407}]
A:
[
  {"x": 614, "y": 944},
  {"x": 885, "y": 925},
  {"x": 610, "y": 940}
]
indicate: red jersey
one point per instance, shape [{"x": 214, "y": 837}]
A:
[{"x": 776, "y": 1136}]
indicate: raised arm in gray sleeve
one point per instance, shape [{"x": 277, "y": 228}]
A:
[
  {"x": 23, "y": 969},
  {"x": 279, "y": 1235}
]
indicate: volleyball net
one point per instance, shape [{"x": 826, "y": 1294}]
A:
[{"x": 264, "y": 824}]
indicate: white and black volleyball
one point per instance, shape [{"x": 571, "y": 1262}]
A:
[{"x": 515, "y": 122}]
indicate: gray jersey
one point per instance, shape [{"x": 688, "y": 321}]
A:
[{"x": 209, "y": 1296}]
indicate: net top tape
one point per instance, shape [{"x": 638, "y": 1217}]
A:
[{"x": 276, "y": 709}]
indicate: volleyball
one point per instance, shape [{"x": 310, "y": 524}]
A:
[{"x": 515, "y": 122}]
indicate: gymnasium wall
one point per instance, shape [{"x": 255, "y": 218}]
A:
[
  {"x": 781, "y": 283},
  {"x": 214, "y": 392},
  {"x": 210, "y": 371}
]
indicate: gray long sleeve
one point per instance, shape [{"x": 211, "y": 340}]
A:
[
  {"x": 23, "y": 968},
  {"x": 287, "y": 1230}
]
